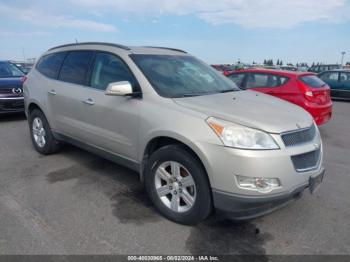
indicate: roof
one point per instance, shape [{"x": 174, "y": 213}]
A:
[
  {"x": 130, "y": 49},
  {"x": 336, "y": 70},
  {"x": 274, "y": 71}
]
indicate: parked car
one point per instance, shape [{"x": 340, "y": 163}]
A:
[
  {"x": 302, "y": 69},
  {"x": 321, "y": 68},
  {"x": 288, "y": 68},
  {"x": 339, "y": 82},
  {"x": 226, "y": 69},
  {"x": 300, "y": 88},
  {"x": 11, "y": 95},
  {"x": 198, "y": 142},
  {"x": 24, "y": 69}
]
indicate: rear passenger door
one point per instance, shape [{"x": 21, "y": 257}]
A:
[
  {"x": 66, "y": 96},
  {"x": 265, "y": 83},
  {"x": 111, "y": 122}
]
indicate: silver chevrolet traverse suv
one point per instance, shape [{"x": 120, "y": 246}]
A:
[{"x": 198, "y": 142}]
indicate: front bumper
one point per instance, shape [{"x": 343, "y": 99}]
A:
[
  {"x": 11, "y": 105},
  {"x": 242, "y": 207},
  {"x": 224, "y": 163}
]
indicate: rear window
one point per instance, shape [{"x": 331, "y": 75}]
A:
[
  {"x": 75, "y": 67},
  {"x": 50, "y": 65},
  {"x": 312, "y": 81}
]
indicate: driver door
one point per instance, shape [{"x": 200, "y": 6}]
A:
[{"x": 111, "y": 122}]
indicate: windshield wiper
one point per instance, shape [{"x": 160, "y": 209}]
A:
[
  {"x": 227, "y": 91},
  {"x": 198, "y": 94},
  {"x": 207, "y": 93}
]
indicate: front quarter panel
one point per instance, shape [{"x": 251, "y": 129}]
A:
[{"x": 164, "y": 118}]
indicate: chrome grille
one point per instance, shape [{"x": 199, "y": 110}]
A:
[
  {"x": 299, "y": 137},
  {"x": 306, "y": 162}
]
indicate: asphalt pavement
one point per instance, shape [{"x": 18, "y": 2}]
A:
[{"x": 77, "y": 203}]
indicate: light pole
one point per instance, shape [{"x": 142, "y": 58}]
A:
[{"x": 342, "y": 57}]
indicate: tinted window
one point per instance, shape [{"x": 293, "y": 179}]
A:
[
  {"x": 332, "y": 67},
  {"x": 9, "y": 70},
  {"x": 237, "y": 78},
  {"x": 330, "y": 76},
  {"x": 323, "y": 68},
  {"x": 75, "y": 67},
  {"x": 50, "y": 65},
  {"x": 265, "y": 80},
  {"x": 182, "y": 76},
  {"x": 108, "y": 69},
  {"x": 312, "y": 81},
  {"x": 345, "y": 77}
]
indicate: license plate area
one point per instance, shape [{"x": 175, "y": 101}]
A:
[{"x": 314, "y": 182}]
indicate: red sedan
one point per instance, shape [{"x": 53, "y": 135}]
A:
[{"x": 301, "y": 88}]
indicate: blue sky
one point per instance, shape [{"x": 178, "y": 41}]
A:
[{"x": 220, "y": 31}]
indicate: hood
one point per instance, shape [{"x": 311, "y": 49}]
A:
[
  {"x": 250, "y": 109},
  {"x": 12, "y": 82}
]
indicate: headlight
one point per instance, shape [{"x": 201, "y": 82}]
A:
[
  {"x": 234, "y": 135},
  {"x": 260, "y": 184}
]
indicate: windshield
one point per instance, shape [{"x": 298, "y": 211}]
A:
[
  {"x": 9, "y": 70},
  {"x": 182, "y": 76}
]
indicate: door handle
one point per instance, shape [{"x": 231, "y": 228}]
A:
[
  {"x": 52, "y": 92},
  {"x": 89, "y": 101}
]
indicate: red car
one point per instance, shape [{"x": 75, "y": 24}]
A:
[{"x": 304, "y": 89}]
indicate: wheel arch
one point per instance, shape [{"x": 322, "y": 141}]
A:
[
  {"x": 32, "y": 106},
  {"x": 158, "y": 141}
]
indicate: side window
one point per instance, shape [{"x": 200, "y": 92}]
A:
[
  {"x": 50, "y": 65},
  {"x": 332, "y": 67},
  {"x": 75, "y": 67},
  {"x": 282, "y": 80},
  {"x": 237, "y": 78},
  {"x": 265, "y": 80},
  {"x": 344, "y": 77},
  {"x": 323, "y": 68},
  {"x": 331, "y": 76},
  {"x": 107, "y": 69}
]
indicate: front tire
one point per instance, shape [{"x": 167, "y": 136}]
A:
[
  {"x": 41, "y": 135},
  {"x": 178, "y": 185}
]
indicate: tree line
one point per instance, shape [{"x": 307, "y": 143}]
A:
[{"x": 270, "y": 62}]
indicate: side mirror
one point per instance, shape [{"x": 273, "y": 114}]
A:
[{"x": 122, "y": 88}]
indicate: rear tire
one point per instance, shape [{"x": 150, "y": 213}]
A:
[
  {"x": 41, "y": 135},
  {"x": 178, "y": 185}
]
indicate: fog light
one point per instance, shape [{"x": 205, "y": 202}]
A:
[{"x": 260, "y": 184}]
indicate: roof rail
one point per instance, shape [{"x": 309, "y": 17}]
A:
[
  {"x": 91, "y": 43},
  {"x": 167, "y": 48}
]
